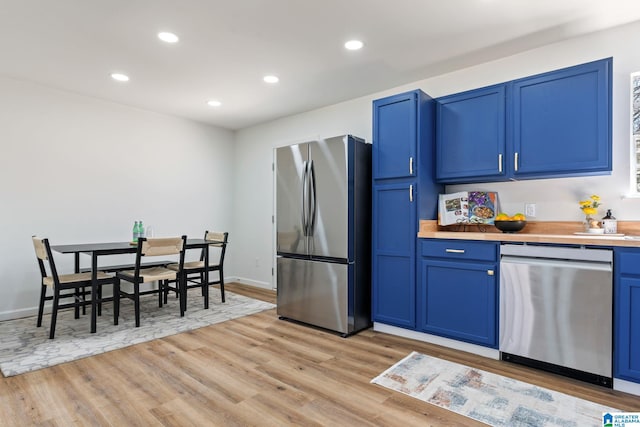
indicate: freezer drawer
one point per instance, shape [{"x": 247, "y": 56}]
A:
[{"x": 315, "y": 293}]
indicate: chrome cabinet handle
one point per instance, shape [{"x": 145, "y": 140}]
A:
[
  {"x": 411, "y": 193},
  {"x": 410, "y": 165},
  {"x": 515, "y": 162},
  {"x": 454, "y": 251},
  {"x": 500, "y": 163}
]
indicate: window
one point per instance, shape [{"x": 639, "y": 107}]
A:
[{"x": 635, "y": 130}]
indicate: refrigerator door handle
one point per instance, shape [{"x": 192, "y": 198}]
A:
[
  {"x": 313, "y": 202},
  {"x": 304, "y": 199}
]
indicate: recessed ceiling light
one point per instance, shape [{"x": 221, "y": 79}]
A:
[
  {"x": 120, "y": 77},
  {"x": 271, "y": 79},
  {"x": 353, "y": 44},
  {"x": 168, "y": 37},
  {"x": 214, "y": 103}
]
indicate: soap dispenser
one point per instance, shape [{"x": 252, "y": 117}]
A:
[{"x": 609, "y": 223}]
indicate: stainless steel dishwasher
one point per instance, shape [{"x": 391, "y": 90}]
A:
[{"x": 556, "y": 309}]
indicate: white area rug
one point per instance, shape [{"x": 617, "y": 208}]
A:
[
  {"x": 486, "y": 397},
  {"x": 25, "y": 348}
]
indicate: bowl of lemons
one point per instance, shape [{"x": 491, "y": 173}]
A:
[{"x": 510, "y": 223}]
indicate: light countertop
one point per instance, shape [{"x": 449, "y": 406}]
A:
[{"x": 537, "y": 232}]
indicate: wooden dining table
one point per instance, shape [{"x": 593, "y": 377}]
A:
[{"x": 96, "y": 250}]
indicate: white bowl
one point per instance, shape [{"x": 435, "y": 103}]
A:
[{"x": 596, "y": 230}]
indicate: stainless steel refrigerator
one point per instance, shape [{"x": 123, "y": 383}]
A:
[{"x": 323, "y": 227}]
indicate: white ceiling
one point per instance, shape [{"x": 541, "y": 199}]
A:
[{"x": 227, "y": 46}]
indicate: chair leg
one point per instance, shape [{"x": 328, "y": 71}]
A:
[
  {"x": 99, "y": 300},
  {"x": 221, "y": 284},
  {"x": 54, "y": 313},
  {"x": 43, "y": 295},
  {"x": 136, "y": 302},
  {"x": 116, "y": 301},
  {"x": 181, "y": 282},
  {"x": 165, "y": 291},
  {"x": 161, "y": 286},
  {"x": 205, "y": 292},
  {"x": 202, "y": 283},
  {"x": 84, "y": 296},
  {"x": 78, "y": 297}
]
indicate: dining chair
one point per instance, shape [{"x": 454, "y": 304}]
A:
[
  {"x": 193, "y": 271},
  {"x": 69, "y": 286},
  {"x": 149, "y": 248}
]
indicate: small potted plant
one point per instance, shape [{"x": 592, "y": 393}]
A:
[{"x": 590, "y": 208}]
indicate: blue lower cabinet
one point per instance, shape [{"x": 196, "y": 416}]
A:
[
  {"x": 394, "y": 254},
  {"x": 628, "y": 331},
  {"x": 394, "y": 297},
  {"x": 627, "y": 314},
  {"x": 458, "y": 297}
]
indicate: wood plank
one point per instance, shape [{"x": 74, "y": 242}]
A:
[{"x": 255, "y": 370}]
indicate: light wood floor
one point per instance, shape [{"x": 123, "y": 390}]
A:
[{"x": 256, "y": 370}]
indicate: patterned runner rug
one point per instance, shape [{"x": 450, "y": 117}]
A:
[
  {"x": 25, "y": 348},
  {"x": 486, "y": 397}
]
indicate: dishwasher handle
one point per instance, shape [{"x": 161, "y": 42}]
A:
[
  {"x": 552, "y": 252},
  {"x": 558, "y": 263}
]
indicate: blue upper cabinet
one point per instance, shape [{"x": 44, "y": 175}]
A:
[
  {"x": 562, "y": 122},
  {"x": 396, "y": 138},
  {"x": 470, "y": 134},
  {"x": 544, "y": 126}
]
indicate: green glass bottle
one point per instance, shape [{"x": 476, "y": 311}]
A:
[{"x": 136, "y": 229}]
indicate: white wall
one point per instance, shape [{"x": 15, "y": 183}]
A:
[
  {"x": 253, "y": 185},
  {"x": 556, "y": 199},
  {"x": 77, "y": 169}
]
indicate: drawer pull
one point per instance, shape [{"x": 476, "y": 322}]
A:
[
  {"x": 454, "y": 251},
  {"x": 411, "y": 193},
  {"x": 410, "y": 165},
  {"x": 500, "y": 163},
  {"x": 489, "y": 272}
]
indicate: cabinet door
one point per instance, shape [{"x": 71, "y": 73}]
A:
[
  {"x": 458, "y": 300},
  {"x": 627, "y": 329},
  {"x": 394, "y": 136},
  {"x": 562, "y": 122},
  {"x": 470, "y": 135},
  {"x": 394, "y": 239}
]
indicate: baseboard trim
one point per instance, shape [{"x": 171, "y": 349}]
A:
[
  {"x": 626, "y": 386},
  {"x": 434, "y": 339},
  {"x": 23, "y": 312},
  {"x": 245, "y": 281}
]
